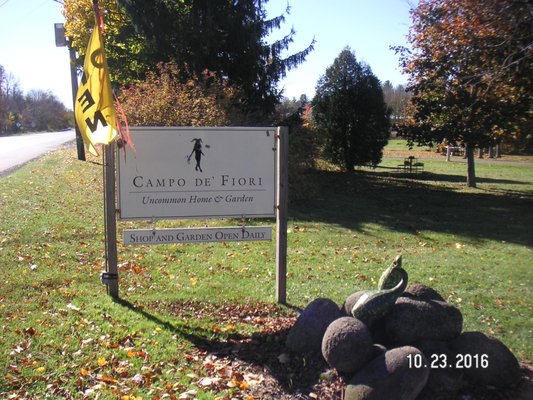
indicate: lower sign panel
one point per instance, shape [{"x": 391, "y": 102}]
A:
[{"x": 196, "y": 235}]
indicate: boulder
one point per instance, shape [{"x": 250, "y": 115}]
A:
[
  {"x": 419, "y": 291},
  {"x": 347, "y": 345},
  {"x": 445, "y": 381},
  {"x": 411, "y": 321},
  {"x": 486, "y": 360},
  {"x": 307, "y": 332},
  {"x": 390, "y": 376}
]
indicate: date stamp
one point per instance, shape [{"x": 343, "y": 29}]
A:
[{"x": 440, "y": 361}]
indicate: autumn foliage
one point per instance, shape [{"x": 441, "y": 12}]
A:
[
  {"x": 165, "y": 99},
  {"x": 470, "y": 72},
  {"x": 125, "y": 48}
]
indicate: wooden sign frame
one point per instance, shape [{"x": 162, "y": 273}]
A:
[{"x": 110, "y": 276}]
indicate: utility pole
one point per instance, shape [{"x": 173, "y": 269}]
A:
[{"x": 61, "y": 41}]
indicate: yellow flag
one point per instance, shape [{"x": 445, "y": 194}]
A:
[{"x": 94, "y": 109}]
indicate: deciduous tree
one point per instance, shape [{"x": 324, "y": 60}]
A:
[
  {"x": 126, "y": 51},
  {"x": 44, "y": 112},
  {"x": 397, "y": 99},
  {"x": 350, "y": 109},
  {"x": 164, "y": 100},
  {"x": 3, "y": 100},
  {"x": 12, "y": 103},
  {"x": 470, "y": 72}
]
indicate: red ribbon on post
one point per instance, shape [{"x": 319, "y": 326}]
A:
[
  {"x": 123, "y": 133},
  {"x": 98, "y": 16}
]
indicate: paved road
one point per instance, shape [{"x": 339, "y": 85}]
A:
[{"x": 18, "y": 150}]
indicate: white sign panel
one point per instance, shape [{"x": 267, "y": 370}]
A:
[
  {"x": 198, "y": 173},
  {"x": 196, "y": 235}
]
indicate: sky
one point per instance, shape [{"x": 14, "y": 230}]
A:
[{"x": 368, "y": 27}]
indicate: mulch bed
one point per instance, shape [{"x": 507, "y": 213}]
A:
[{"x": 261, "y": 362}]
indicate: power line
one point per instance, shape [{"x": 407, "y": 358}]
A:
[{"x": 1, "y": 5}]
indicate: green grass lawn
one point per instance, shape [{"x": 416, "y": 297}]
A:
[{"x": 62, "y": 335}]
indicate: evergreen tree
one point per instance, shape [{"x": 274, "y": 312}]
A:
[
  {"x": 350, "y": 110},
  {"x": 226, "y": 37}
]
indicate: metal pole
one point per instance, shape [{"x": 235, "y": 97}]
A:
[
  {"x": 61, "y": 41},
  {"x": 110, "y": 276},
  {"x": 282, "y": 200},
  {"x": 74, "y": 84}
]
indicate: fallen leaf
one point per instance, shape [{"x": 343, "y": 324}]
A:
[
  {"x": 30, "y": 331},
  {"x": 71, "y": 306},
  {"x": 106, "y": 378},
  {"x": 208, "y": 381},
  {"x": 138, "y": 379},
  {"x": 188, "y": 395},
  {"x": 253, "y": 379}
]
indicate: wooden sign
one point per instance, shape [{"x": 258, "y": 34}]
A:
[{"x": 198, "y": 173}]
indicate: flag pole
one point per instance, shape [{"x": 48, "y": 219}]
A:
[{"x": 110, "y": 276}]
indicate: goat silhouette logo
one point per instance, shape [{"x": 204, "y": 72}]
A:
[{"x": 198, "y": 153}]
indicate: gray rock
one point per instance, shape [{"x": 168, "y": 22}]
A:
[
  {"x": 411, "y": 321},
  {"x": 307, "y": 332},
  {"x": 502, "y": 368},
  {"x": 419, "y": 291},
  {"x": 389, "y": 377},
  {"x": 444, "y": 380},
  {"x": 347, "y": 345},
  {"x": 350, "y": 302}
]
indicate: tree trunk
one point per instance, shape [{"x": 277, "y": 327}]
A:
[{"x": 471, "y": 170}]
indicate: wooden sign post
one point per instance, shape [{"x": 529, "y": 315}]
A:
[
  {"x": 282, "y": 205},
  {"x": 110, "y": 276}
]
